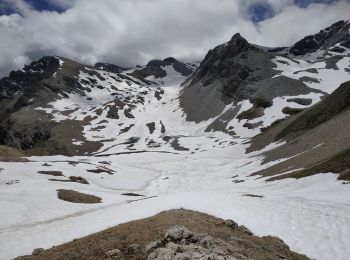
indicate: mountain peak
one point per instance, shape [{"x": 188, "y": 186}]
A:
[
  {"x": 157, "y": 69},
  {"x": 336, "y": 34},
  {"x": 164, "y": 62},
  {"x": 238, "y": 43},
  {"x": 170, "y": 60},
  {"x": 109, "y": 67},
  {"x": 236, "y": 36}
]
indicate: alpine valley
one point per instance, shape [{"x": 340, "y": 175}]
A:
[{"x": 254, "y": 134}]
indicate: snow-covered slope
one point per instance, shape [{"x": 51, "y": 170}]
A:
[{"x": 157, "y": 137}]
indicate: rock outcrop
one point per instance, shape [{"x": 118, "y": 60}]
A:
[{"x": 337, "y": 33}]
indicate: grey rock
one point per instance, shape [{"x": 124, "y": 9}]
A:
[
  {"x": 151, "y": 127},
  {"x": 134, "y": 249},
  {"x": 177, "y": 233},
  {"x": 230, "y": 223},
  {"x": 233, "y": 72},
  {"x": 78, "y": 179},
  {"x": 109, "y": 67},
  {"x": 155, "y": 68},
  {"x": 37, "y": 251},
  {"x": 113, "y": 112},
  {"x": 301, "y": 101},
  {"x": 153, "y": 245},
  {"x": 203, "y": 247},
  {"x": 114, "y": 253}
]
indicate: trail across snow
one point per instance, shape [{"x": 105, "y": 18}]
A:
[{"x": 311, "y": 215}]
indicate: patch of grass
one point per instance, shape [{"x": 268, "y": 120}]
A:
[
  {"x": 260, "y": 102},
  {"x": 301, "y": 101},
  {"x": 333, "y": 105},
  {"x": 291, "y": 111},
  {"x": 337, "y": 164},
  {"x": 39, "y": 144},
  {"x": 259, "y": 105},
  {"x": 252, "y": 113}
]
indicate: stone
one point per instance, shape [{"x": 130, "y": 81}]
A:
[
  {"x": 230, "y": 223},
  {"x": 152, "y": 246},
  {"x": 114, "y": 253},
  {"x": 37, "y": 251},
  {"x": 177, "y": 233}
]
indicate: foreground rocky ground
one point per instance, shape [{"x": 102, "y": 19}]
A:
[{"x": 174, "y": 234}]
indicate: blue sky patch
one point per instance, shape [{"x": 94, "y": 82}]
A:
[
  {"x": 6, "y": 9},
  {"x": 260, "y": 11},
  {"x": 306, "y": 3},
  {"x": 44, "y": 5},
  {"x": 40, "y": 5},
  {"x": 256, "y": 12}
]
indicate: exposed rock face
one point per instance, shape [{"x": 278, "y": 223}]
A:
[
  {"x": 333, "y": 105},
  {"x": 24, "y": 80},
  {"x": 109, "y": 67},
  {"x": 77, "y": 197},
  {"x": 25, "y": 129},
  {"x": 238, "y": 70},
  {"x": 230, "y": 73},
  {"x": 21, "y": 126},
  {"x": 233, "y": 72},
  {"x": 324, "y": 40},
  {"x": 114, "y": 253},
  {"x": 156, "y": 68},
  {"x": 317, "y": 140}
]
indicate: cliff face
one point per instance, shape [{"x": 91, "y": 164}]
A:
[{"x": 333, "y": 38}]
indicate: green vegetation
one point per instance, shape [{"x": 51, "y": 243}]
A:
[
  {"x": 259, "y": 105},
  {"x": 252, "y": 113},
  {"x": 291, "y": 111},
  {"x": 333, "y": 105},
  {"x": 337, "y": 164},
  {"x": 40, "y": 143},
  {"x": 301, "y": 101},
  {"x": 260, "y": 102}
]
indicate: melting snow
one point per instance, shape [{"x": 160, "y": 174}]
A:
[{"x": 312, "y": 214}]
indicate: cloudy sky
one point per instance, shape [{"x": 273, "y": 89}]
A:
[{"x": 130, "y": 32}]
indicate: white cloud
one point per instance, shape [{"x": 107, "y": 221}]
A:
[
  {"x": 135, "y": 31},
  {"x": 294, "y": 23}
]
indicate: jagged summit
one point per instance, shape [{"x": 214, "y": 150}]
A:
[
  {"x": 231, "y": 71},
  {"x": 24, "y": 125},
  {"x": 22, "y": 79},
  {"x": 238, "y": 42},
  {"x": 219, "y": 61},
  {"x": 158, "y": 68},
  {"x": 333, "y": 38},
  {"x": 238, "y": 70}
]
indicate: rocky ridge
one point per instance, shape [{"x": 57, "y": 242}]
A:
[{"x": 215, "y": 239}]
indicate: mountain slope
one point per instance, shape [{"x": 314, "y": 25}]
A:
[
  {"x": 310, "y": 148},
  {"x": 334, "y": 38},
  {"x": 148, "y": 240},
  {"x": 106, "y": 144},
  {"x": 264, "y": 82},
  {"x": 75, "y": 97}
]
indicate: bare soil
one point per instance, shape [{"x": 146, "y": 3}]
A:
[
  {"x": 77, "y": 197},
  {"x": 129, "y": 240}
]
